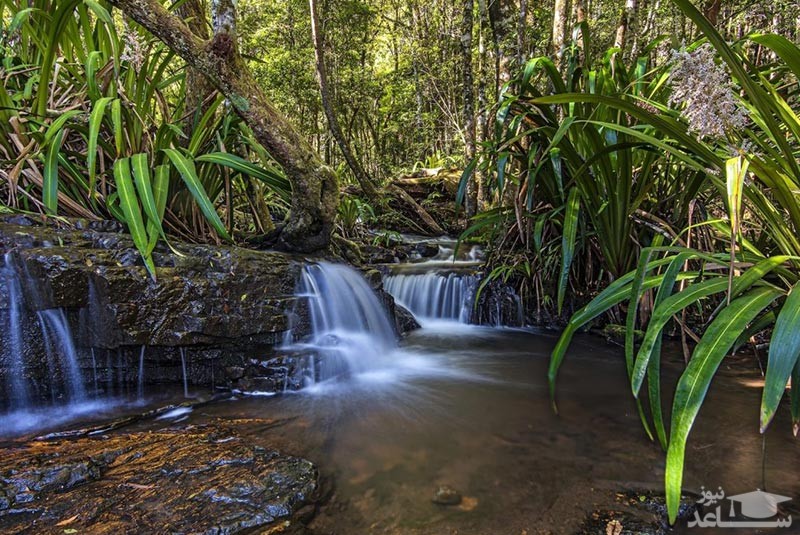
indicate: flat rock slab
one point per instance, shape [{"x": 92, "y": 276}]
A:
[{"x": 194, "y": 479}]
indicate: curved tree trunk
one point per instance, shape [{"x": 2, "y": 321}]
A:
[
  {"x": 315, "y": 192},
  {"x": 364, "y": 180}
]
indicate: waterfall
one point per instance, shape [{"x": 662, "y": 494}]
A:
[
  {"x": 60, "y": 348},
  {"x": 17, "y": 386},
  {"x": 185, "y": 378},
  {"x": 140, "y": 383},
  {"x": 434, "y": 295},
  {"x": 351, "y": 332}
]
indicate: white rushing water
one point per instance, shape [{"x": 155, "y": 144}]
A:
[
  {"x": 61, "y": 352},
  {"x": 351, "y": 332},
  {"x": 353, "y": 346},
  {"x": 17, "y": 386},
  {"x": 434, "y": 295}
]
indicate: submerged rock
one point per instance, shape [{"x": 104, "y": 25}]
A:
[
  {"x": 446, "y": 495},
  {"x": 197, "y": 479}
]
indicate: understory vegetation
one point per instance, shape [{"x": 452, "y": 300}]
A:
[
  {"x": 633, "y": 164},
  {"x": 672, "y": 189}
]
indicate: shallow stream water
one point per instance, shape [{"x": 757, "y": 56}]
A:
[{"x": 468, "y": 407}]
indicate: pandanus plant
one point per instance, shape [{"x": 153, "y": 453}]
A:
[
  {"x": 752, "y": 277},
  {"x": 93, "y": 124}
]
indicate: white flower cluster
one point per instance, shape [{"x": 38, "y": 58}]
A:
[
  {"x": 705, "y": 90},
  {"x": 134, "y": 50}
]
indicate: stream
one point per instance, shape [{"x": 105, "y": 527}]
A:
[{"x": 468, "y": 407}]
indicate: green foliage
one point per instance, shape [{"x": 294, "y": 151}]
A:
[
  {"x": 759, "y": 245},
  {"x": 94, "y": 124},
  {"x": 353, "y": 213},
  {"x": 576, "y": 156}
]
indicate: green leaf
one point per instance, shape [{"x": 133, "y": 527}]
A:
[
  {"x": 661, "y": 315},
  {"x": 129, "y": 204},
  {"x": 50, "y": 175},
  {"x": 141, "y": 174},
  {"x": 568, "y": 242},
  {"x": 276, "y": 180},
  {"x": 794, "y": 394},
  {"x": 160, "y": 193},
  {"x": 695, "y": 380},
  {"x": 615, "y": 293},
  {"x": 784, "y": 348},
  {"x": 189, "y": 175},
  {"x": 95, "y": 121}
]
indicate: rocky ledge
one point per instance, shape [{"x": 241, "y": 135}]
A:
[
  {"x": 193, "y": 479},
  {"x": 221, "y": 312}
]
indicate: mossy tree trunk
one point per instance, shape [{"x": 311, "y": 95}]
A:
[{"x": 315, "y": 191}]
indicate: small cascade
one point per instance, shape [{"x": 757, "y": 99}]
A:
[
  {"x": 94, "y": 372},
  {"x": 140, "y": 382},
  {"x": 434, "y": 295},
  {"x": 61, "y": 350},
  {"x": 351, "y": 332},
  {"x": 444, "y": 287},
  {"x": 17, "y": 386},
  {"x": 185, "y": 378}
]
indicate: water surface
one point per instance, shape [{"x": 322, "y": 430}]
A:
[{"x": 468, "y": 407}]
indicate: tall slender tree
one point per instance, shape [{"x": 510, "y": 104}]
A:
[
  {"x": 559, "y": 33},
  {"x": 317, "y": 35},
  {"x": 627, "y": 20},
  {"x": 468, "y": 94}
]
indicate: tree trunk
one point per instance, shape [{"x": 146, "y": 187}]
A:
[
  {"x": 559, "y": 35},
  {"x": 482, "y": 120},
  {"x": 626, "y": 20},
  {"x": 315, "y": 192},
  {"x": 198, "y": 88},
  {"x": 711, "y": 10},
  {"x": 367, "y": 185},
  {"x": 501, "y": 23},
  {"x": 580, "y": 11},
  {"x": 522, "y": 23},
  {"x": 468, "y": 95}
]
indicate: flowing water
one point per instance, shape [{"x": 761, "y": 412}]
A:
[
  {"x": 351, "y": 332},
  {"x": 468, "y": 406}
]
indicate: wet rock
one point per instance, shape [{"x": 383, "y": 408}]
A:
[
  {"x": 404, "y": 319},
  {"x": 426, "y": 249},
  {"x": 208, "y": 295},
  {"x": 641, "y": 512},
  {"x": 197, "y": 479},
  {"x": 446, "y": 495},
  {"x": 499, "y": 304},
  {"x": 374, "y": 278},
  {"x": 220, "y": 304}
]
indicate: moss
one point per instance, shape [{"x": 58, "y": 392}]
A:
[{"x": 239, "y": 102}]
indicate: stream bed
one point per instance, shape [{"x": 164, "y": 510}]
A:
[{"x": 468, "y": 407}]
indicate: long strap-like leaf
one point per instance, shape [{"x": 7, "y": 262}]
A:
[
  {"x": 695, "y": 380},
  {"x": 129, "y": 204},
  {"x": 784, "y": 348},
  {"x": 189, "y": 175}
]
